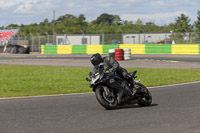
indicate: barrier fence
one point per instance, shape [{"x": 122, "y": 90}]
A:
[
  {"x": 135, "y": 49},
  {"x": 34, "y": 41}
]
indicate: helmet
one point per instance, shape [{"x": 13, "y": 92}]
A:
[{"x": 96, "y": 59}]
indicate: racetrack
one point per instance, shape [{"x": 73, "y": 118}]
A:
[
  {"x": 145, "y": 61},
  {"x": 175, "y": 109}
]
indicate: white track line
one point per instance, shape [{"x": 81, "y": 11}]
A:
[
  {"x": 174, "y": 84},
  {"x": 25, "y": 97},
  {"x": 92, "y": 92}
]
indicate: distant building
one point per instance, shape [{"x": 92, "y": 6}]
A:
[
  {"x": 80, "y": 39},
  {"x": 144, "y": 38}
]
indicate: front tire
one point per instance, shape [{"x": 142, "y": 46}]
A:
[
  {"x": 146, "y": 97},
  {"x": 107, "y": 102}
]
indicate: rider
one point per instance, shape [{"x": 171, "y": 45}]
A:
[{"x": 111, "y": 65}]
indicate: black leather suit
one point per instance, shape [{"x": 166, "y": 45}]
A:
[{"x": 111, "y": 65}]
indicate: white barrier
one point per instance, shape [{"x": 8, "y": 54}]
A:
[{"x": 127, "y": 54}]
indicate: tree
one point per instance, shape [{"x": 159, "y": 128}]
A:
[
  {"x": 139, "y": 22},
  {"x": 109, "y": 23},
  {"x": 181, "y": 27},
  {"x": 197, "y": 28},
  {"x": 81, "y": 20},
  {"x": 197, "y": 23},
  {"x": 108, "y": 18},
  {"x": 182, "y": 24},
  {"x": 45, "y": 22},
  {"x": 81, "y": 17},
  {"x": 12, "y": 26},
  {"x": 65, "y": 17}
]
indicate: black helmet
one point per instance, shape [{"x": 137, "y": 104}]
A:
[{"x": 96, "y": 59}]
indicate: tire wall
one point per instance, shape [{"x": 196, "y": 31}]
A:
[
  {"x": 135, "y": 49},
  {"x": 15, "y": 49}
]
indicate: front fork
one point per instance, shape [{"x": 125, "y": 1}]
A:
[{"x": 108, "y": 92}]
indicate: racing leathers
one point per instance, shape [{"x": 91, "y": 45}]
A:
[{"x": 112, "y": 66}]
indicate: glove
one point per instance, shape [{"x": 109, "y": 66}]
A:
[
  {"x": 106, "y": 71},
  {"x": 101, "y": 65}
]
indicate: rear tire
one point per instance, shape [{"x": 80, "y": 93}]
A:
[
  {"x": 146, "y": 98},
  {"x": 106, "y": 102}
]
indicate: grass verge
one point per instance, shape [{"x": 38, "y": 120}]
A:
[{"x": 18, "y": 81}]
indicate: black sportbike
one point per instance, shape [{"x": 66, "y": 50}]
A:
[{"x": 107, "y": 95}]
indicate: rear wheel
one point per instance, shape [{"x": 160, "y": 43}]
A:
[
  {"x": 146, "y": 98},
  {"x": 108, "y": 102}
]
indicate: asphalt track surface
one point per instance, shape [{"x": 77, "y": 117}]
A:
[
  {"x": 185, "y": 58},
  {"x": 175, "y": 109},
  {"x": 148, "y": 61}
]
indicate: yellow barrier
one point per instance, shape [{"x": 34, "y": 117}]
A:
[
  {"x": 42, "y": 49},
  {"x": 135, "y": 49},
  {"x": 185, "y": 49},
  {"x": 92, "y": 49},
  {"x": 64, "y": 49}
]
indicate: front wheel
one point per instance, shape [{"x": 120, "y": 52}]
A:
[
  {"x": 145, "y": 98},
  {"x": 108, "y": 102}
]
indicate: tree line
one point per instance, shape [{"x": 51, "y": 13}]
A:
[{"x": 108, "y": 23}]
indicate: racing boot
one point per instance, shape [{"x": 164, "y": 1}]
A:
[
  {"x": 127, "y": 88},
  {"x": 132, "y": 93}
]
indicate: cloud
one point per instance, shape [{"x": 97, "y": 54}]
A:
[
  {"x": 34, "y": 6},
  {"x": 152, "y": 17},
  {"x": 158, "y": 3},
  {"x": 31, "y": 11},
  {"x": 106, "y": 5},
  {"x": 26, "y": 6},
  {"x": 6, "y": 4},
  {"x": 115, "y": 3},
  {"x": 71, "y": 4},
  {"x": 133, "y": 1}
]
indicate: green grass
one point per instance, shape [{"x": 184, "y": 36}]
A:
[{"x": 46, "y": 80}]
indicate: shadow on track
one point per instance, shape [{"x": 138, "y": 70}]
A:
[{"x": 136, "y": 106}]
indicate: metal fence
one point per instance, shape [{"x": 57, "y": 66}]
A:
[{"x": 35, "y": 41}]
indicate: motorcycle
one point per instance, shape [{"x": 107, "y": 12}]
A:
[{"x": 106, "y": 95}]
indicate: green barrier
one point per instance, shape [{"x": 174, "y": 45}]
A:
[
  {"x": 199, "y": 49},
  {"x": 107, "y": 47},
  {"x": 50, "y": 49},
  {"x": 78, "y": 49},
  {"x": 148, "y": 49},
  {"x": 157, "y": 49}
]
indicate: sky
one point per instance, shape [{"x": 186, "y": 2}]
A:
[{"x": 160, "y": 12}]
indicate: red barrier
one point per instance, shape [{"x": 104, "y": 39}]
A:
[{"x": 119, "y": 54}]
